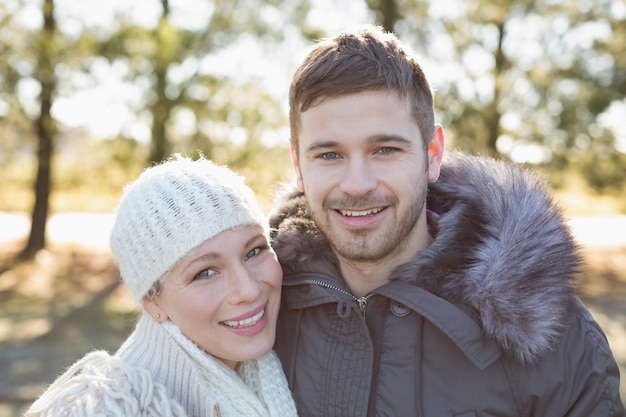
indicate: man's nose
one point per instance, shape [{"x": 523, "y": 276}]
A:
[{"x": 357, "y": 178}]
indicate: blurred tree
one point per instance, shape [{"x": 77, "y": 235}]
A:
[
  {"x": 186, "y": 93},
  {"x": 597, "y": 103},
  {"x": 183, "y": 77},
  {"x": 15, "y": 124},
  {"x": 387, "y": 13},
  {"x": 46, "y": 50},
  {"x": 26, "y": 97},
  {"x": 35, "y": 60},
  {"x": 525, "y": 79}
]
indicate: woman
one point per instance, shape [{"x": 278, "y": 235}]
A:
[{"x": 192, "y": 245}]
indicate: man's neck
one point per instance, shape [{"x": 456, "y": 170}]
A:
[{"x": 364, "y": 277}]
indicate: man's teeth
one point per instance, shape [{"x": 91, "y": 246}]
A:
[
  {"x": 246, "y": 322},
  {"x": 351, "y": 213}
]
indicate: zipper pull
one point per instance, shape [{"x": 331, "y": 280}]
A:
[{"x": 362, "y": 302}]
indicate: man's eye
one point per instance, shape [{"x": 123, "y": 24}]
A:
[
  {"x": 329, "y": 156},
  {"x": 387, "y": 150}
]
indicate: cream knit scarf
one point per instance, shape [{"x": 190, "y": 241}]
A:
[{"x": 160, "y": 372}]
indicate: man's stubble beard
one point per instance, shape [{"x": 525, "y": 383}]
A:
[{"x": 368, "y": 246}]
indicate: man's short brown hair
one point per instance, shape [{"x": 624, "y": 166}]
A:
[{"x": 353, "y": 62}]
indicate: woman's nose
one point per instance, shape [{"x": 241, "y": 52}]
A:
[{"x": 244, "y": 285}]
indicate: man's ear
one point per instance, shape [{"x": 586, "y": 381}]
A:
[
  {"x": 296, "y": 167},
  {"x": 152, "y": 306},
  {"x": 435, "y": 153}
]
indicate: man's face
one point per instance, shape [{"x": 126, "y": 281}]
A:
[{"x": 362, "y": 166}]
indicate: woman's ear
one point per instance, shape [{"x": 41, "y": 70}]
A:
[{"x": 152, "y": 306}]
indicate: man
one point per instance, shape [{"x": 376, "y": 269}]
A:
[{"x": 414, "y": 285}]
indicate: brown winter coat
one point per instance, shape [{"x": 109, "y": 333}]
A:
[{"x": 485, "y": 322}]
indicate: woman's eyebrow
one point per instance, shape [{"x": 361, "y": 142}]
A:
[{"x": 210, "y": 256}]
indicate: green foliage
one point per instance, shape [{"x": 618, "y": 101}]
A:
[
  {"x": 511, "y": 88},
  {"x": 167, "y": 65},
  {"x": 171, "y": 61}
]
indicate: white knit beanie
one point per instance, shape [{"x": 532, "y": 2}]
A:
[{"x": 170, "y": 210}]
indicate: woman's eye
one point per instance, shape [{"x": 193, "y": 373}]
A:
[
  {"x": 254, "y": 252},
  {"x": 205, "y": 273}
]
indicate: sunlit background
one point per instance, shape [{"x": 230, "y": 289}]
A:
[{"x": 93, "y": 91}]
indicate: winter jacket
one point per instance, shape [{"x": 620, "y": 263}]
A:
[
  {"x": 159, "y": 372},
  {"x": 484, "y": 322}
]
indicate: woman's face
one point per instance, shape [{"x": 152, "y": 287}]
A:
[{"x": 224, "y": 295}]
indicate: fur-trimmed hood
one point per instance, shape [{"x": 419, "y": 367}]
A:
[{"x": 502, "y": 251}]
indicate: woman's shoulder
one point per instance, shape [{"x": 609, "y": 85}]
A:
[{"x": 104, "y": 385}]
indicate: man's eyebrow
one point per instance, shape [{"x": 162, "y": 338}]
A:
[
  {"x": 322, "y": 144},
  {"x": 384, "y": 138}
]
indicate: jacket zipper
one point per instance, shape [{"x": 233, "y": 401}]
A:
[{"x": 361, "y": 301}]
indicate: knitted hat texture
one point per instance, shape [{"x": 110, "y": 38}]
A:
[{"x": 170, "y": 210}]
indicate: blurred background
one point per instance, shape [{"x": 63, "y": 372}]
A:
[{"x": 93, "y": 91}]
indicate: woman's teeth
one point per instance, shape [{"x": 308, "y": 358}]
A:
[{"x": 246, "y": 322}]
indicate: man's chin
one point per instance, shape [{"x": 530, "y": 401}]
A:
[{"x": 363, "y": 252}]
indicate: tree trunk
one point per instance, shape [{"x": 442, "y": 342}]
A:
[
  {"x": 45, "y": 129},
  {"x": 162, "y": 107},
  {"x": 494, "y": 114},
  {"x": 160, "y": 114},
  {"x": 387, "y": 13}
]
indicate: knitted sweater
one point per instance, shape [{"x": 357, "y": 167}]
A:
[{"x": 160, "y": 372}]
